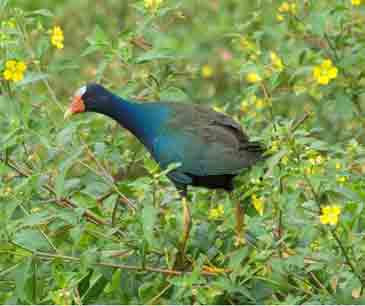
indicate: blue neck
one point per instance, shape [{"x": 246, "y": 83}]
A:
[{"x": 143, "y": 120}]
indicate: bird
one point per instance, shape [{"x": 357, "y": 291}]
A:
[{"x": 208, "y": 148}]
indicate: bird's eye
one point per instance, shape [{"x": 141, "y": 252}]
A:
[{"x": 81, "y": 91}]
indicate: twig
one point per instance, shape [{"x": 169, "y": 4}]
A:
[
  {"x": 41, "y": 231},
  {"x": 64, "y": 203},
  {"x": 122, "y": 266},
  {"x": 347, "y": 258},
  {"x": 114, "y": 213},
  {"x": 332, "y": 47},
  {"x": 299, "y": 122},
  {"x": 141, "y": 43},
  {"x": 77, "y": 296},
  {"x": 109, "y": 178},
  {"x": 154, "y": 299},
  {"x": 317, "y": 281},
  {"x": 104, "y": 196}
]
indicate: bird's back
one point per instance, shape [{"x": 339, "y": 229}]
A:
[{"x": 207, "y": 145}]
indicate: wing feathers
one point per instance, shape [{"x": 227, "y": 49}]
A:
[{"x": 204, "y": 142}]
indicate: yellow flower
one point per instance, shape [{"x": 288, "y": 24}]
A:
[
  {"x": 258, "y": 203},
  {"x": 293, "y": 8},
  {"x": 285, "y": 160},
  {"x": 246, "y": 44},
  {"x": 218, "y": 109},
  {"x": 309, "y": 171},
  {"x": 325, "y": 72},
  {"x": 244, "y": 106},
  {"x": 253, "y": 77},
  {"x": 152, "y": 4},
  {"x": 319, "y": 159},
  {"x": 7, "y": 74},
  {"x": 276, "y": 61},
  {"x": 57, "y": 37},
  {"x": 10, "y": 64},
  {"x": 274, "y": 146},
  {"x": 330, "y": 214},
  {"x": 352, "y": 146},
  {"x": 14, "y": 70},
  {"x": 341, "y": 179},
  {"x": 279, "y": 17},
  {"x": 316, "y": 160},
  {"x": 315, "y": 245},
  {"x": 207, "y": 71},
  {"x": 10, "y": 23},
  {"x": 287, "y": 8},
  {"x": 284, "y": 7},
  {"x": 216, "y": 213},
  {"x": 338, "y": 166},
  {"x": 356, "y": 2},
  {"x": 7, "y": 191},
  {"x": 259, "y": 103}
]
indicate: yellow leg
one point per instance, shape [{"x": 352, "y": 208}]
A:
[
  {"x": 239, "y": 223},
  {"x": 187, "y": 225}
]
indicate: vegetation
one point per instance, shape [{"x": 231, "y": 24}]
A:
[{"x": 87, "y": 217}]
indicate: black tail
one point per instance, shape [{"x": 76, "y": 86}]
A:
[
  {"x": 257, "y": 149},
  {"x": 255, "y": 146}
]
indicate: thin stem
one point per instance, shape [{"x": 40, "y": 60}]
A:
[
  {"x": 154, "y": 299},
  {"x": 34, "y": 263},
  {"x": 299, "y": 122},
  {"x": 332, "y": 47},
  {"x": 347, "y": 257},
  {"x": 41, "y": 231},
  {"x": 337, "y": 238},
  {"x": 44, "y": 255},
  {"x": 105, "y": 175},
  {"x": 64, "y": 203},
  {"x": 27, "y": 45}
]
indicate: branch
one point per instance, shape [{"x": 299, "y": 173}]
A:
[
  {"x": 64, "y": 203},
  {"x": 299, "y": 122},
  {"x": 122, "y": 266}
]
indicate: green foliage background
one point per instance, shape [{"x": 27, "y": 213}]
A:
[{"x": 87, "y": 217}]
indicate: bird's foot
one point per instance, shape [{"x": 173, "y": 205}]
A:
[
  {"x": 182, "y": 261},
  {"x": 239, "y": 241}
]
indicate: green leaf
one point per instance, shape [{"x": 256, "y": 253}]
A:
[
  {"x": 274, "y": 160},
  {"x": 149, "y": 214},
  {"x": 237, "y": 257},
  {"x": 348, "y": 193},
  {"x": 114, "y": 284},
  {"x": 173, "y": 94},
  {"x": 22, "y": 274},
  {"x": 88, "y": 258},
  {"x": 343, "y": 106},
  {"x": 318, "y": 22},
  {"x": 36, "y": 219},
  {"x": 31, "y": 239},
  {"x": 3, "y": 4},
  {"x": 64, "y": 167},
  {"x": 97, "y": 284}
]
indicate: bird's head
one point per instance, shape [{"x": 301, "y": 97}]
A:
[{"x": 88, "y": 98}]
